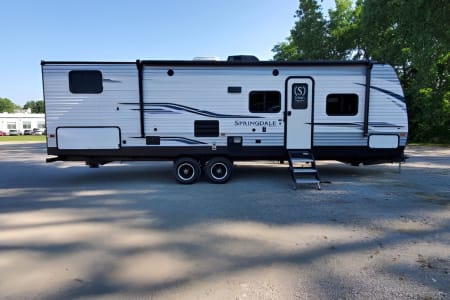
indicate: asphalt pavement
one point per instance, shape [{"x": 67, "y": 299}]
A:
[{"x": 129, "y": 231}]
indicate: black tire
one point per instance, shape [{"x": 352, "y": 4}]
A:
[
  {"x": 187, "y": 170},
  {"x": 218, "y": 169}
]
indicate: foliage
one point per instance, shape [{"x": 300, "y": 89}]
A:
[
  {"x": 23, "y": 138},
  {"x": 7, "y": 105},
  {"x": 309, "y": 32},
  {"x": 344, "y": 31},
  {"x": 414, "y": 36},
  {"x": 411, "y": 35},
  {"x": 308, "y": 38},
  {"x": 36, "y": 107},
  {"x": 286, "y": 50}
]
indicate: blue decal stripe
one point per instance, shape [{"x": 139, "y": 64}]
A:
[
  {"x": 371, "y": 124},
  {"x": 387, "y": 92},
  {"x": 338, "y": 124},
  {"x": 179, "y": 107},
  {"x": 177, "y": 139},
  {"x": 160, "y": 111},
  {"x": 182, "y": 140},
  {"x": 392, "y": 94},
  {"x": 198, "y": 111}
]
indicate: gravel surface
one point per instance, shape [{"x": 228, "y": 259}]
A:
[{"x": 129, "y": 231}]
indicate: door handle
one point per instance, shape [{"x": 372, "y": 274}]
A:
[{"x": 286, "y": 115}]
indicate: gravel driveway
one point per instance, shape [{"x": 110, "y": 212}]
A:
[{"x": 129, "y": 231}]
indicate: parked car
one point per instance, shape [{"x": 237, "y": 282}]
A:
[
  {"x": 38, "y": 131},
  {"x": 2, "y": 133},
  {"x": 14, "y": 132},
  {"x": 27, "y": 132}
]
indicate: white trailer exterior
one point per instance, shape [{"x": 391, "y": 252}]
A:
[{"x": 198, "y": 111}]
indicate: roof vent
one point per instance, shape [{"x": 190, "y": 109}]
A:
[
  {"x": 242, "y": 58},
  {"x": 206, "y": 58}
]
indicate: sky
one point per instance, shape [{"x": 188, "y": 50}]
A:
[{"x": 126, "y": 30}]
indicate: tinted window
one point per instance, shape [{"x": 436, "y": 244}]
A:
[
  {"x": 299, "y": 96},
  {"x": 85, "y": 82},
  {"x": 265, "y": 102},
  {"x": 342, "y": 104}
]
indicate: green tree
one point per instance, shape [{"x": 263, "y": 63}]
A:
[
  {"x": 7, "y": 105},
  {"x": 40, "y": 107},
  {"x": 414, "y": 36},
  {"x": 308, "y": 39},
  {"x": 36, "y": 107},
  {"x": 339, "y": 27},
  {"x": 29, "y": 105},
  {"x": 314, "y": 37},
  {"x": 411, "y": 35},
  {"x": 286, "y": 50},
  {"x": 344, "y": 31}
]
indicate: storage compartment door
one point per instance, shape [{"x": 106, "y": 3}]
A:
[
  {"x": 383, "y": 141},
  {"x": 83, "y": 138}
]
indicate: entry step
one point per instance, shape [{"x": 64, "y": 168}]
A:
[
  {"x": 312, "y": 181},
  {"x": 302, "y": 160},
  {"x": 302, "y": 166},
  {"x": 304, "y": 170}
]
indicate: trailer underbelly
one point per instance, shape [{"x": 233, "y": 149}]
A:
[{"x": 363, "y": 155}]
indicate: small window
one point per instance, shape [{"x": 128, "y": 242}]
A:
[
  {"x": 265, "y": 102},
  {"x": 85, "y": 82},
  {"x": 342, "y": 104},
  {"x": 26, "y": 125},
  {"x": 299, "y": 96},
  {"x": 41, "y": 124}
]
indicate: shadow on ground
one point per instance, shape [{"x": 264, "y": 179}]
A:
[{"x": 129, "y": 231}]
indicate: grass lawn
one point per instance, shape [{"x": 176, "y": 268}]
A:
[{"x": 23, "y": 138}]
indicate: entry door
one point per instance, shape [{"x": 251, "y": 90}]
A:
[{"x": 299, "y": 102}]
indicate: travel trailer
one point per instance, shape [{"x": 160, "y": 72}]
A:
[{"x": 205, "y": 114}]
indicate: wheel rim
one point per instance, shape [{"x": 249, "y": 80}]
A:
[
  {"x": 219, "y": 171},
  {"x": 186, "y": 171}
]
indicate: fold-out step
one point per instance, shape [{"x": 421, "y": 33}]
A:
[{"x": 302, "y": 166}]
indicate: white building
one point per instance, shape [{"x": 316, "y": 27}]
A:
[{"x": 21, "y": 121}]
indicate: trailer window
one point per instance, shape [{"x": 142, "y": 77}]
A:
[
  {"x": 265, "y": 102},
  {"x": 342, "y": 104},
  {"x": 85, "y": 82},
  {"x": 300, "y": 96}
]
